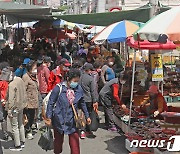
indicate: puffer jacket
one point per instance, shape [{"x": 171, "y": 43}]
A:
[
  {"x": 62, "y": 114},
  {"x": 55, "y": 77},
  {"x": 3, "y": 90}
]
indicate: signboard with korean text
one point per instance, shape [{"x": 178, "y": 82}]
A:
[{"x": 157, "y": 67}]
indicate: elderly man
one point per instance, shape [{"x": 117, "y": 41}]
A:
[{"x": 16, "y": 102}]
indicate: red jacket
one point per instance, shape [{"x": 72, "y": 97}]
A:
[
  {"x": 56, "y": 76},
  {"x": 43, "y": 76},
  {"x": 115, "y": 88},
  {"x": 3, "y": 90}
]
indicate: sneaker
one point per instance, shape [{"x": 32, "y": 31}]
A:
[
  {"x": 113, "y": 129},
  {"x": 89, "y": 133},
  {"x": 30, "y": 136},
  {"x": 83, "y": 135},
  {"x": 6, "y": 136},
  {"x": 16, "y": 148},
  {"x": 22, "y": 145},
  {"x": 37, "y": 125}
]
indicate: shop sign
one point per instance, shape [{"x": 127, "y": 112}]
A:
[
  {"x": 172, "y": 144},
  {"x": 157, "y": 67}
]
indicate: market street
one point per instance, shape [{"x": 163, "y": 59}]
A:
[{"x": 105, "y": 143}]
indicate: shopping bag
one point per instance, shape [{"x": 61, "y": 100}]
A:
[
  {"x": 94, "y": 121},
  {"x": 80, "y": 119},
  {"x": 25, "y": 119},
  {"x": 46, "y": 139}
]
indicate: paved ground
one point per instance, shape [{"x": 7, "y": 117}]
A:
[{"x": 104, "y": 143}]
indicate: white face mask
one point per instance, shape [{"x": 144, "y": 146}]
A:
[
  {"x": 122, "y": 81},
  {"x": 11, "y": 76},
  {"x": 34, "y": 71},
  {"x": 111, "y": 63}
]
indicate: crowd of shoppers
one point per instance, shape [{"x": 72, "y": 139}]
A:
[{"x": 80, "y": 79}]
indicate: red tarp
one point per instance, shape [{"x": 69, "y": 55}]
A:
[
  {"x": 52, "y": 33},
  {"x": 151, "y": 45}
]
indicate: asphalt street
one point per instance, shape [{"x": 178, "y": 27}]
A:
[{"x": 105, "y": 142}]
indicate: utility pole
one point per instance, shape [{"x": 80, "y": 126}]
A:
[
  {"x": 123, "y": 4},
  {"x": 153, "y": 8}
]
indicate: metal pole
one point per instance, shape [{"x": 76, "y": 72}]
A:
[
  {"x": 153, "y": 8},
  {"x": 18, "y": 34},
  {"x": 123, "y": 4},
  {"x": 132, "y": 87}
]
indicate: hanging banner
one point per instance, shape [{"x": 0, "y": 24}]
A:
[{"x": 157, "y": 67}]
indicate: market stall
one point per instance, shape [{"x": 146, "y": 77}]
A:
[{"x": 146, "y": 127}]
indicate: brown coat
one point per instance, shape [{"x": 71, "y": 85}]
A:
[
  {"x": 32, "y": 92},
  {"x": 16, "y": 95}
]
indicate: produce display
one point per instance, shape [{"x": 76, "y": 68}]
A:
[
  {"x": 172, "y": 84},
  {"x": 146, "y": 127}
]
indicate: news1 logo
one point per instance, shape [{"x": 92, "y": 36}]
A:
[{"x": 171, "y": 146}]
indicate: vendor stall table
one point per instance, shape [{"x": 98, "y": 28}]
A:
[
  {"x": 168, "y": 125},
  {"x": 157, "y": 151}
]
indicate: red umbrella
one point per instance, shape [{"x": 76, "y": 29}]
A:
[{"x": 151, "y": 45}]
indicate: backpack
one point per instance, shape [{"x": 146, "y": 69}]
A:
[{"x": 46, "y": 99}]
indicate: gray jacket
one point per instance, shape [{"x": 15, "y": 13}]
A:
[
  {"x": 106, "y": 92},
  {"x": 16, "y": 95},
  {"x": 89, "y": 88}
]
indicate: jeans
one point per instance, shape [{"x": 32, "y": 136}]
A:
[
  {"x": 17, "y": 127},
  {"x": 30, "y": 113},
  {"x": 73, "y": 142}
]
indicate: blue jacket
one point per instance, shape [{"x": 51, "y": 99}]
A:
[{"x": 62, "y": 115}]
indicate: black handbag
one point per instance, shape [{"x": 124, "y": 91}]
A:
[
  {"x": 94, "y": 121},
  {"x": 46, "y": 139}
]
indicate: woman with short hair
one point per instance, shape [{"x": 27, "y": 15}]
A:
[
  {"x": 32, "y": 96},
  {"x": 60, "y": 112}
]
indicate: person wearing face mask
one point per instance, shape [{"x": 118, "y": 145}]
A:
[
  {"x": 43, "y": 74},
  {"x": 90, "y": 93},
  {"x": 57, "y": 75},
  {"x": 22, "y": 69},
  {"x": 107, "y": 72},
  {"x": 16, "y": 102},
  {"x": 155, "y": 104},
  {"x": 31, "y": 86},
  {"x": 96, "y": 73},
  {"x": 61, "y": 115},
  {"x": 108, "y": 94},
  {"x": 4, "y": 81}
]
